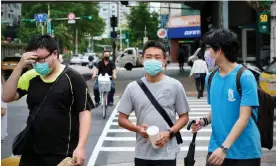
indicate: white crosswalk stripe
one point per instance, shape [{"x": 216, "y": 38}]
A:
[{"x": 116, "y": 139}]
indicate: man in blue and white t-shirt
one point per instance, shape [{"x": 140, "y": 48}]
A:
[{"x": 235, "y": 139}]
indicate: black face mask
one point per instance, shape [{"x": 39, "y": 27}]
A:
[{"x": 106, "y": 58}]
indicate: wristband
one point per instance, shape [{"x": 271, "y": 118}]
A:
[
  {"x": 224, "y": 149},
  {"x": 205, "y": 120}
]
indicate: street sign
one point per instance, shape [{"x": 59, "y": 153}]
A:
[
  {"x": 71, "y": 18},
  {"x": 71, "y": 21},
  {"x": 49, "y": 27},
  {"x": 264, "y": 22},
  {"x": 162, "y": 33},
  {"x": 123, "y": 36},
  {"x": 113, "y": 34},
  {"x": 42, "y": 17}
]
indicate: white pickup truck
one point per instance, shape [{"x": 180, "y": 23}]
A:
[{"x": 130, "y": 58}]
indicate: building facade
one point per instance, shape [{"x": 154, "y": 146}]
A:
[
  {"x": 107, "y": 10},
  {"x": 11, "y": 14}
]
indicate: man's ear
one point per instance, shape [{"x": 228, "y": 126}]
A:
[{"x": 165, "y": 62}]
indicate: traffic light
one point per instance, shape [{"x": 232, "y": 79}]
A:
[
  {"x": 124, "y": 3},
  {"x": 127, "y": 35},
  {"x": 86, "y": 17},
  {"x": 28, "y": 20},
  {"x": 113, "y": 21},
  {"x": 264, "y": 23}
]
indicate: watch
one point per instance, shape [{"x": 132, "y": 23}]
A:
[
  {"x": 224, "y": 149},
  {"x": 171, "y": 133}
]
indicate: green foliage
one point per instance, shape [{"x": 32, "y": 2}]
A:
[
  {"x": 3, "y": 29},
  {"x": 260, "y": 6},
  {"x": 138, "y": 18},
  {"x": 63, "y": 31}
]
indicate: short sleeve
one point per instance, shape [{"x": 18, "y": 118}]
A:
[
  {"x": 82, "y": 98},
  {"x": 126, "y": 105},
  {"x": 3, "y": 104},
  {"x": 249, "y": 90},
  {"x": 24, "y": 82},
  {"x": 113, "y": 66},
  {"x": 181, "y": 101}
]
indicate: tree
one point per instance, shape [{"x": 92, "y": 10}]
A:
[
  {"x": 63, "y": 31},
  {"x": 3, "y": 29},
  {"x": 260, "y": 6},
  {"x": 138, "y": 18}
]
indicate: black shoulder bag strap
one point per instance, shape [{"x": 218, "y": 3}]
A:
[
  {"x": 159, "y": 108},
  {"x": 211, "y": 77},
  {"x": 47, "y": 94},
  {"x": 238, "y": 84}
]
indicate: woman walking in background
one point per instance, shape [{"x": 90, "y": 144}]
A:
[{"x": 199, "y": 71}]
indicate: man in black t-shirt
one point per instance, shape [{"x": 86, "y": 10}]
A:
[
  {"x": 63, "y": 122},
  {"x": 105, "y": 66}
]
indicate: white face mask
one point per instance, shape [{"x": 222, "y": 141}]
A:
[{"x": 211, "y": 62}]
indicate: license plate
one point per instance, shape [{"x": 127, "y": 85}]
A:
[{"x": 272, "y": 86}]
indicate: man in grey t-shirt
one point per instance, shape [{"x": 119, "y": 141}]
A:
[{"x": 170, "y": 95}]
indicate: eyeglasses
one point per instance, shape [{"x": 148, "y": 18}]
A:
[{"x": 42, "y": 60}]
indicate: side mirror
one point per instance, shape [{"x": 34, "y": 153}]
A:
[{"x": 122, "y": 55}]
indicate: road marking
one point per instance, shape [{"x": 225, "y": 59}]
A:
[
  {"x": 182, "y": 131},
  {"x": 133, "y": 118},
  {"x": 183, "y": 148},
  {"x": 207, "y": 138},
  {"x": 190, "y": 113},
  {"x": 132, "y": 149},
  {"x": 97, "y": 148}
]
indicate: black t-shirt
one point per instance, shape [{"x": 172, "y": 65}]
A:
[
  {"x": 56, "y": 126},
  {"x": 108, "y": 68}
]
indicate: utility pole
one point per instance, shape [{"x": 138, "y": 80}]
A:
[
  {"x": 76, "y": 42},
  {"x": 273, "y": 31}
]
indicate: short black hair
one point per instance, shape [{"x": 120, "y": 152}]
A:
[
  {"x": 106, "y": 51},
  {"x": 42, "y": 41},
  {"x": 155, "y": 44},
  {"x": 223, "y": 39}
]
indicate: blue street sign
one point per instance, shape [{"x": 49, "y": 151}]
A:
[
  {"x": 113, "y": 34},
  {"x": 42, "y": 17}
]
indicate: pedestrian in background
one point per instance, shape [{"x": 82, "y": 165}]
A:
[
  {"x": 199, "y": 71},
  {"x": 235, "y": 139},
  {"x": 59, "y": 97},
  {"x": 169, "y": 94},
  {"x": 181, "y": 58}
]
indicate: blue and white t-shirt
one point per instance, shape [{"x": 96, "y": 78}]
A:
[{"x": 225, "y": 103}]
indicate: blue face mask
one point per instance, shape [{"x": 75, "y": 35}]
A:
[
  {"x": 42, "y": 68},
  {"x": 153, "y": 67}
]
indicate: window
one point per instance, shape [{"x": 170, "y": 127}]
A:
[
  {"x": 11, "y": 11},
  {"x": 104, "y": 9},
  {"x": 2, "y": 13},
  {"x": 9, "y": 15}
]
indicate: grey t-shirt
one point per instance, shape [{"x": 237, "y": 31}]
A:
[{"x": 170, "y": 94}]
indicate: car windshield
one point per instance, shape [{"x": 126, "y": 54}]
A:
[{"x": 271, "y": 69}]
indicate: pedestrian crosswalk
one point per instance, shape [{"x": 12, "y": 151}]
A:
[{"x": 119, "y": 144}]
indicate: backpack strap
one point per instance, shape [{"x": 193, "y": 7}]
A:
[
  {"x": 210, "y": 78},
  {"x": 238, "y": 84},
  {"x": 238, "y": 79}
]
